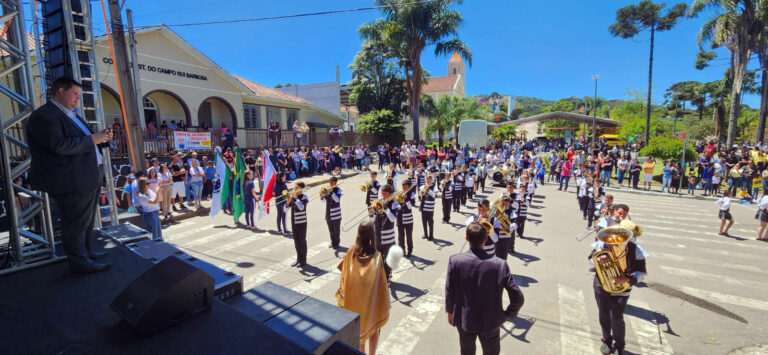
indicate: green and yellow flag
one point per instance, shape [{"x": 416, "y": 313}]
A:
[{"x": 238, "y": 199}]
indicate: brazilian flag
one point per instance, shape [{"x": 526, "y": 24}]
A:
[{"x": 238, "y": 199}]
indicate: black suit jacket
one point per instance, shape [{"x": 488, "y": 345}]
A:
[
  {"x": 474, "y": 288},
  {"x": 63, "y": 157}
]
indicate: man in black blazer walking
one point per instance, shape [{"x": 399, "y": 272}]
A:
[
  {"x": 67, "y": 164},
  {"x": 473, "y": 294}
]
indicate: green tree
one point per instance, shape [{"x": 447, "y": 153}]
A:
[
  {"x": 384, "y": 124},
  {"x": 627, "y": 110},
  {"x": 440, "y": 115},
  {"x": 736, "y": 26},
  {"x": 688, "y": 91},
  {"x": 410, "y": 26},
  {"x": 504, "y": 133},
  {"x": 646, "y": 15},
  {"x": 636, "y": 128},
  {"x": 555, "y": 128},
  {"x": 377, "y": 80},
  {"x": 665, "y": 148},
  {"x": 516, "y": 113}
]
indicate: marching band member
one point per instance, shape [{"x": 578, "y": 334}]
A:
[
  {"x": 469, "y": 185},
  {"x": 506, "y": 242},
  {"x": 333, "y": 212},
  {"x": 523, "y": 200},
  {"x": 483, "y": 209},
  {"x": 581, "y": 193},
  {"x": 482, "y": 174},
  {"x": 724, "y": 203},
  {"x": 433, "y": 169},
  {"x": 405, "y": 219},
  {"x": 604, "y": 207},
  {"x": 611, "y": 306},
  {"x": 391, "y": 175},
  {"x": 421, "y": 176},
  {"x": 297, "y": 204},
  {"x": 447, "y": 196},
  {"x": 614, "y": 216},
  {"x": 385, "y": 223},
  {"x": 413, "y": 176},
  {"x": 446, "y": 166},
  {"x": 595, "y": 193},
  {"x": 531, "y": 187},
  {"x": 373, "y": 189},
  {"x": 427, "y": 209},
  {"x": 458, "y": 190}
]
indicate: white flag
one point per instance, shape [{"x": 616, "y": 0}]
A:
[{"x": 220, "y": 166}]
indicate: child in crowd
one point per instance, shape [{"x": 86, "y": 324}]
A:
[
  {"x": 692, "y": 181},
  {"x": 757, "y": 183},
  {"x": 716, "y": 178},
  {"x": 149, "y": 200},
  {"x": 724, "y": 203}
]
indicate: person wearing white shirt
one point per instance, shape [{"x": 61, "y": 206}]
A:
[
  {"x": 724, "y": 203},
  {"x": 149, "y": 201},
  {"x": 762, "y": 215}
]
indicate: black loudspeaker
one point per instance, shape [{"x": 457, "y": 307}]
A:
[{"x": 169, "y": 292}]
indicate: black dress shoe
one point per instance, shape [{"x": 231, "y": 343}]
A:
[
  {"x": 96, "y": 256},
  {"x": 88, "y": 268}
]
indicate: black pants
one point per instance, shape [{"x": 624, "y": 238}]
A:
[
  {"x": 482, "y": 183},
  {"x": 521, "y": 225},
  {"x": 464, "y": 196},
  {"x": 490, "y": 342},
  {"x": 503, "y": 246},
  {"x": 428, "y": 221},
  {"x": 384, "y": 250},
  {"x": 300, "y": 242},
  {"x": 457, "y": 200},
  {"x": 589, "y": 211},
  {"x": 583, "y": 205},
  {"x": 405, "y": 236},
  {"x": 78, "y": 212},
  {"x": 611, "y": 314},
  {"x": 281, "y": 218},
  {"x": 447, "y": 210},
  {"x": 334, "y": 227},
  {"x": 470, "y": 193}
]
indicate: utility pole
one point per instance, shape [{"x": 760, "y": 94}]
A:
[
  {"x": 126, "y": 84},
  {"x": 594, "y": 109},
  {"x": 135, "y": 66}
]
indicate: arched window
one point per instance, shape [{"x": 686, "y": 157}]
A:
[{"x": 150, "y": 112}]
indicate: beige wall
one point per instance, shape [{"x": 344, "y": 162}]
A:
[{"x": 168, "y": 108}]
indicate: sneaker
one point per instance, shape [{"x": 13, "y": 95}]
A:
[{"x": 605, "y": 349}]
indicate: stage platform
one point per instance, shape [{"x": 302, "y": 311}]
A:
[{"x": 48, "y": 310}]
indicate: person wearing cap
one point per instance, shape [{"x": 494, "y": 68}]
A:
[
  {"x": 611, "y": 306},
  {"x": 333, "y": 212}
]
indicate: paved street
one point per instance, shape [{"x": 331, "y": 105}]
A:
[{"x": 718, "y": 280}]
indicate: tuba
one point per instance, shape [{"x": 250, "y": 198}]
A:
[
  {"x": 497, "y": 211},
  {"x": 616, "y": 238}
]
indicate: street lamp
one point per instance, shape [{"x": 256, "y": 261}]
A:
[{"x": 594, "y": 109}]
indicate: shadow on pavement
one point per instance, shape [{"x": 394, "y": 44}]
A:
[
  {"x": 422, "y": 263},
  {"x": 312, "y": 271},
  {"x": 525, "y": 281},
  {"x": 533, "y": 240},
  {"x": 411, "y": 293},
  {"x": 656, "y": 318},
  {"x": 526, "y": 258},
  {"x": 441, "y": 243},
  {"x": 340, "y": 251}
]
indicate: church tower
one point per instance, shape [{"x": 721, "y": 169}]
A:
[{"x": 456, "y": 65}]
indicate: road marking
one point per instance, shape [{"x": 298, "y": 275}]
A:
[
  {"x": 575, "y": 333},
  {"x": 725, "y": 298},
  {"x": 656, "y": 210},
  {"x": 182, "y": 235},
  {"x": 651, "y": 221},
  {"x": 702, "y": 249},
  {"x": 694, "y": 260},
  {"x": 649, "y": 336},
  {"x": 406, "y": 334},
  {"x": 750, "y": 246},
  {"x": 211, "y": 237},
  {"x": 699, "y": 275},
  {"x": 272, "y": 271}
]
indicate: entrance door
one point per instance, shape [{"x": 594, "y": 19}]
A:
[{"x": 204, "y": 115}]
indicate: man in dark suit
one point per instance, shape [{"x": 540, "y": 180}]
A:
[
  {"x": 473, "y": 293},
  {"x": 67, "y": 164}
]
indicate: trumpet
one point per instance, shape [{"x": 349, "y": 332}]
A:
[
  {"x": 487, "y": 225},
  {"x": 424, "y": 191},
  {"x": 325, "y": 190},
  {"x": 365, "y": 187}
]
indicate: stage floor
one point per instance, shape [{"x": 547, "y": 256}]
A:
[{"x": 48, "y": 310}]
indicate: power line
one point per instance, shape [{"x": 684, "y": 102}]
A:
[{"x": 296, "y": 15}]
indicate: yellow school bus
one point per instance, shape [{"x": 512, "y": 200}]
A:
[{"x": 613, "y": 139}]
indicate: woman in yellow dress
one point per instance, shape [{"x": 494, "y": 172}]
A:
[{"x": 363, "y": 288}]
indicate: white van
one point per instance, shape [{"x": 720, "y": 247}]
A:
[{"x": 474, "y": 132}]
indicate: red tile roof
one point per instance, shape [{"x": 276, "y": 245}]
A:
[
  {"x": 263, "y": 91},
  {"x": 440, "y": 83}
]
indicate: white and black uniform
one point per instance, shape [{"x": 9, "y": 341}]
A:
[
  {"x": 298, "y": 208},
  {"x": 385, "y": 231},
  {"x": 447, "y": 196},
  {"x": 594, "y": 195},
  {"x": 373, "y": 192},
  {"x": 506, "y": 242},
  {"x": 490, "y": 243},
  {"x": 482, "y": 173},
  {"x": 531, "y": 190},
  {"x": 522, "y": 213},
  {"x": 405, "y": 222},
  {"x": 458, "y": 191},
  {"x": 391, "y": 178},
  {"x": 725, "y": 208},
  {"x": 414, "y": 177},
  {"x": 581, "y": 194},
  {"x": 469, "y": 186},
  {"x": 611, "y": 306},
  {"x": 333, "y": 214},
  {"x": 427, "y": 209},
  {"x": 421, "y": 178}
]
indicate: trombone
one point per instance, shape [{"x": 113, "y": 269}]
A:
[
  {"x": 376, "y": 205},
  {"x": 285, "y": 195}
]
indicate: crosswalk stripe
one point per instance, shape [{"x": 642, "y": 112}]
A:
[
  {"x": 183, "y": 235},
  {"x": 690, "y": 226},
  {"x": 210, "y": 237},
  {"x": 272, "y": 271},
  {"x": 649, "y": 336},
  {"x": 746, "y": 268},
  {"x": 634, "y": 208},
  {"x": 647, "y": 236},
  {"x": 712, "y": 217},
  {"x": 405, "y": 335},
  {"x": 699, "y": 275},
  {"x": 575, "y": 337},
  {"x": 704, "y": 249},
  {"x": 725, "y": 298}
]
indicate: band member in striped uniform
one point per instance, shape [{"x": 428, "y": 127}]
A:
[
  {"x": 405, "y": 219},
  {"x": 482, "y": 174},
  {"x": 483, "y": 209},
  {"x": 385, "y": 225},
  {"x": 447, "y": 196},
  {"x": 421, "y": 176},
  {"x": 523, "y": 200},
  {"x": 413, "y": 176},
  {"x": 724, "y": 203},
  {"x": 297, "y": 204},
  {"x": 531, "y": 190},
  {"x": 391, "y": 175},
  {"x": 433, "y": 170},
  {"x": 595, "y": 194},
  {"x": 611, "y": 306},
  {"x": 427, "y": 209},
  {"x": 458, "y": 189},
  {"x": 373, "y": 189},
  {"x": 581, "y": 194},
  {"x": 506, "y": 242},
  {"x": 333, "y": 212},
  {"x": 469, "y": 185}
]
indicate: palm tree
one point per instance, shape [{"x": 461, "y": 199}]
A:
[
  {"x": 646, "y": 15},
  {"x": 737, "y": 27},
  {"x": 440, "y": 115},
  {"x": 409, "y": 27}
]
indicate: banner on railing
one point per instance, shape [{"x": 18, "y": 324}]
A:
[{"x": 192, "y": 140}]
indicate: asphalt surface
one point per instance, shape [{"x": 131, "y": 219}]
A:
[{"x": 704, "y": 294}]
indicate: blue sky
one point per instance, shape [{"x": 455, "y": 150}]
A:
[{"x": 546, "y": 49}]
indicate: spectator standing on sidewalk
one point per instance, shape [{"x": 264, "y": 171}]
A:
[{"x": 648, "y": 167}]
